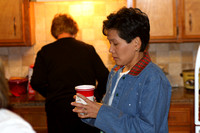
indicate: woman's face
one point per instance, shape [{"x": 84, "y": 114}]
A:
[{"x": 122, "y": 52}]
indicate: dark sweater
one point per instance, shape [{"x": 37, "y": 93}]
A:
[{"x": 59, "y": 67}]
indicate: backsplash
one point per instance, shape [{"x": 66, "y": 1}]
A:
[{"x": 172, "y": 57}]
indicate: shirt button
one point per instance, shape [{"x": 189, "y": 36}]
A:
[
  {"x": 123, "y": 77},
  {"x": 129, "y": 104},
  {"x": 117, "y": 94}
]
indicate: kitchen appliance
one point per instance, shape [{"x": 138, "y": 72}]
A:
[
  {"x": 196, "y": 106},
  {"x": 188, "y": 78}
]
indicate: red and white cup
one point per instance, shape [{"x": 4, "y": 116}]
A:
[{"x": 87, "y": 91}]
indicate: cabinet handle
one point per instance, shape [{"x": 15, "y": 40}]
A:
[
  {"x": 190, "y": 21},
  {"x": 14, "y": 26}
]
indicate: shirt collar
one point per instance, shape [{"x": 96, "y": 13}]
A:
[{"x": 139, "y": 66}]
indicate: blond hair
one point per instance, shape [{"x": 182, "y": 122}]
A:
[
  {"x": 4, "y": 89},
  {"x": 63, "y": 23}
]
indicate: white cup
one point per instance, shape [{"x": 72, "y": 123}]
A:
[{"x": 87, "y": 91}]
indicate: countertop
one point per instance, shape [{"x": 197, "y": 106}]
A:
[
  {"x": 182, "y": 95},
  {"x": 27, "y": 100},
  {"x": 179, "y": 95}
]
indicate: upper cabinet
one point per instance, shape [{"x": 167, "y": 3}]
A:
[
  {"x": 162, "y": 18},
  {"x": 16, "y": 23},
  {"x": 172, "y": 20},
  {"x": 190, "y": 19}
]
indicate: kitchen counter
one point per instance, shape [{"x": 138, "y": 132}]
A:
[
  {"x": 27, "y": 100},
  {"x": 182, "y": 95},
  {"x": 179, "y": 95},
  {"x": 31, "y": 108},
  {"x": 181, "y": 113}
]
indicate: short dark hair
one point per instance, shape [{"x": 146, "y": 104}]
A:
[
  {"x": 130, "y": 23},
  {"x": 63, "y": 23}
]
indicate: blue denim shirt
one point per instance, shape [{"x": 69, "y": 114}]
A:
[{"x": 140, "y": 105}]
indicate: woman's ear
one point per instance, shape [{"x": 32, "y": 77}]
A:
[{"x": 137, "y": 42}]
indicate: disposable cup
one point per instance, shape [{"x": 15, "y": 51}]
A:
[{"x": 87, "y": 91}]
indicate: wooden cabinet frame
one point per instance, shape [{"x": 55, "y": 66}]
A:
[
  {"x": 183, "y": 37},
  {"x": 28, "y": 33},
  {"x": 181, "y": 118},
  {"x": 179, "y": 25}
]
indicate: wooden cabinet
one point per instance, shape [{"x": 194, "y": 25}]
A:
[
  {"x": 162, "y": 20},
  {"x": 16, "y": 23},
  {"x": 190, "y": 12},
  {"x": 31, "y": 108},
  {"x": 35, "y": 115},
  {"x": 172, "y": 20},
  {"x": 181, "y": 118}
]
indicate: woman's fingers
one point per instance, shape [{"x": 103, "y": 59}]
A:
[
  {"x": 83, "y": 97},
  {"x": 79, "y": 105},
  {"x": 88, "y": 110}
]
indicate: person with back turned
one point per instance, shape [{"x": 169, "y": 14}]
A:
[
  {"x": 59, "y": 67},
  {"x": 138, "y": 94}
]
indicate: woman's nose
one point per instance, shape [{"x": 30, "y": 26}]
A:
[{"x": 111, "y": 49}]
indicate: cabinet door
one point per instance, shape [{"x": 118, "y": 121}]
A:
[
  {"x": 162, "y": 16},
  {"x": 191, "y": 20},
  {"x": 180, "y": 119},
  {"x": 35, "y": 115},
  {"x": 11, "y": 20},
  {"x": 15, "y": 23}
]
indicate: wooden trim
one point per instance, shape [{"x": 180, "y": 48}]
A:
[
  {"x": 28, "y": 25},
  {"x": 134, "y": 3}
]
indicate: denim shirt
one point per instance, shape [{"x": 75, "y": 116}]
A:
[{"x": 140, "y": 104}]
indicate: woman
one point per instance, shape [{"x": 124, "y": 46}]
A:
[
  {"x": 9, "y": 121},
  {"x": 137, "y": 98},
  {"x": 59, "y": 67}
]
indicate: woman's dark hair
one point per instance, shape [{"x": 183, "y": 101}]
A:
[
  {"x": 130, "y": 23},
  {"x": 4, "y": 89},
  {"x": 63, "y": 23}
]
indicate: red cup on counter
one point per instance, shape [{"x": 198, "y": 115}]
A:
[{"x": 87, "y": 91}]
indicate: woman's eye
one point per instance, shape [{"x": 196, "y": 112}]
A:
[{"x": 115, "y": 44}]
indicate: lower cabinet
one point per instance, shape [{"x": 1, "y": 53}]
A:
[
  {"x": 181, "y": 118},
  {"x": 35, "y": 115}
]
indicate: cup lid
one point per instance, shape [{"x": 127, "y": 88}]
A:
[{"x": 85, "y": 87}]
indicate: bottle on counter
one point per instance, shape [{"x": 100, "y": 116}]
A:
[{"x": 29, "y": 88}]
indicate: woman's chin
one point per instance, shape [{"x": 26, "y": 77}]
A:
[{"x": 119, "y": 64}]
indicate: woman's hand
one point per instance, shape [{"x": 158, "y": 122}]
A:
[{"x": 90, "y": 110}]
